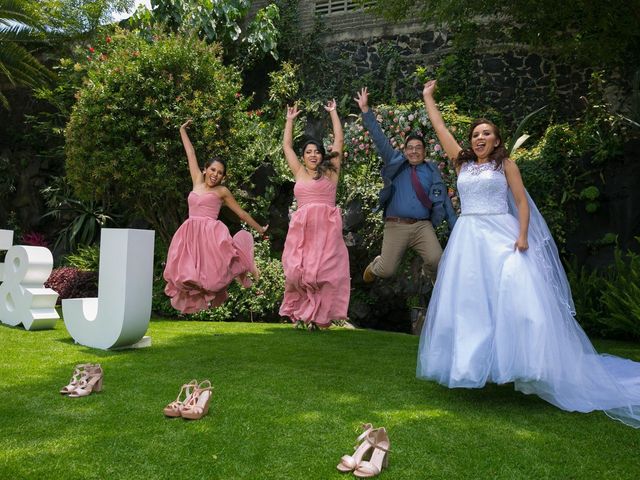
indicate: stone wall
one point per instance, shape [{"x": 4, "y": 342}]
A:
[{"x": 516, "y": 81}]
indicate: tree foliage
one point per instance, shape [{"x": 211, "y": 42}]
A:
[
  {"x": 592, "y": 32},
  {"x": 19, "y": 28},
  {"x": 218, "y": 21},
  {"x": 70, "y": 18}
]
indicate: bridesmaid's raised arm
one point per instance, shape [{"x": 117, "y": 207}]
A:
[
  {"x": 230, "y": 201},
  {"x": 194, "y": 169},
  {"x": 338, "y": 134},
  {"x": 287, "y": 140}
]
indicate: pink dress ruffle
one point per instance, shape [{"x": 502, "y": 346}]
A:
[
  {"x": 203, "y": 258},
  {"x": 315, "y": 258}
]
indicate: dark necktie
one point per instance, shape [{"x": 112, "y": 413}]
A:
[{"x": 419, "y": 189}]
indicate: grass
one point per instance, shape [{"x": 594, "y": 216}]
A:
[{"x": 287, "y": 405}]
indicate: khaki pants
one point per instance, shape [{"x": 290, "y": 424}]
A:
[{"x": 397, "y": 237}]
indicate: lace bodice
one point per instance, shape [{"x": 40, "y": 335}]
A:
[{"x": 482, "y": 189}]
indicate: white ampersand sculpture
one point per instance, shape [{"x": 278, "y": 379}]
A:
[
  {"x": 120, "y": 316},
  {"x": 23, "y": 297}
]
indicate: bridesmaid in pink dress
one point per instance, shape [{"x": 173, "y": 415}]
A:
[
  {"x": 203, "y": 258},
  {"x": 315, "y": 258}
]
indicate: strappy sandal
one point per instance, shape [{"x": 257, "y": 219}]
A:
[
  {"x": 175, "y": 407},
  {"x": 78, "y": 374},
  {"x": 349, "y": 463},
  {"x": 90, "y": 383},
  {"x": 379, "y": 457},
  {"x": 197, "y": 406}
]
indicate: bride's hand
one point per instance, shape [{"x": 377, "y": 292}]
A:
[
  {"x": 428, "y": 89},
  {"x": 521, "y": 244}
]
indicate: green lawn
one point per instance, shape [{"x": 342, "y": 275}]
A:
[{"x": 287, "y": 405}]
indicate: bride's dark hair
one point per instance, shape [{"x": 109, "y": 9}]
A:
[{"x": 499, "y": 154}]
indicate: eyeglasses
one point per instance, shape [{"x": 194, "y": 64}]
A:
[{"x": 414, "y": 148}]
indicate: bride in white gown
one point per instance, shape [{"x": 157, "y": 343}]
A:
[{"x": 501, "y": 309}]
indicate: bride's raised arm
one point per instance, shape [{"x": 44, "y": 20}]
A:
[{"x": 448, "y": 142}]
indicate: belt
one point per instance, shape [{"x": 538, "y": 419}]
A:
[{"x": 408, "y": 221}]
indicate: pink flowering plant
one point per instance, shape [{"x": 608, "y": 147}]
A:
[{"x": 361, "y": 168}]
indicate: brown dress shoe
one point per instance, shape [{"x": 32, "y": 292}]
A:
[{"x": 368, "y": 276}]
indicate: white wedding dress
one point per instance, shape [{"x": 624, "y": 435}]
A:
[{"x": 500, "y": 315}]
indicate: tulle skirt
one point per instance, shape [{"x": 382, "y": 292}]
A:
[{"x": 494, "y": 317}]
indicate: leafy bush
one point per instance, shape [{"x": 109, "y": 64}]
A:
[
  {"x": 85, "y": 258},
  {"x": 261, "y": 301},
  {"x": 222, "y": 21},
  {"x": 71, "y": 282},
  {"x": 77, "y": 221},
  {"x": 550, "y": 174},
  {"x": 160, "y": 302},
  {"x": 601, "y": 131},
  {"x": 587, "y": 286},
  {"x": 122, "y": 142},
  {"x": 621, "y": 295},
  {"x": 608, "y": 300},
  {"x": 35, "y": 239}
]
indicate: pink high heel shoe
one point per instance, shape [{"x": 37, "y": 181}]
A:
[
  {"x": 90, "y": 383},
  {"x": 349, "y": 463},
  {"x": 174, "y": 409},
  {"x": 197, "y": 406},
  {"x": 80, "y": 372},
  {"x": 379, "y": 457}
]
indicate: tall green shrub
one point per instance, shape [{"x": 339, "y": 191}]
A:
[
  {"x": 550, "y": 173},
  {"x": 122, "y": 142}
]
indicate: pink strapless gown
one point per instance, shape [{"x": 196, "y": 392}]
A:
[
  {"x": 203, "y": 258},
  {"x": 315, "y": 258}
]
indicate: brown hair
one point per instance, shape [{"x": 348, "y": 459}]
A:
[
  {"x": 498, "y": 155},
  {"x": 219, "y": 160},
  {"x": 325, "y": 164}
]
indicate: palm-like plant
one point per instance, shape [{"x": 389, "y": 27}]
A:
[
  {"x": 79, "y": 222},
  {"x": 18, "y": 66}
]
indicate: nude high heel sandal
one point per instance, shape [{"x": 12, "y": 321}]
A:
[
  {"x": 92, "y": 382},
  {"x": 379, "y": 457},
  {"x": 197, "y": 406},
  {"x": 175, "y": 408},
  {"x": 78, "y": 374},
  {"x": 348, "y": 463}
]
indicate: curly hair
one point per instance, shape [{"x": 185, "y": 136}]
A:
[{"x": 498, "y": 155}]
